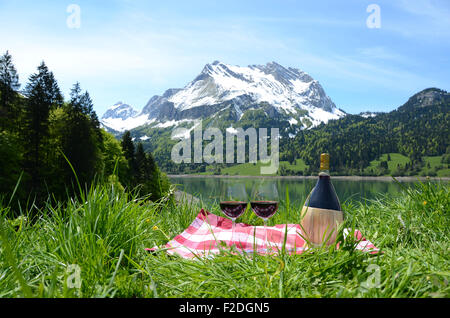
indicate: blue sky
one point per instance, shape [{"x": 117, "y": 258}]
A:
[{"x": 131, "y": 50}]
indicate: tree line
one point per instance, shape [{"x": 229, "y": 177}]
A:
[
  {"x": 413, "y": 130},
  {"x": 56, "y": 146}
]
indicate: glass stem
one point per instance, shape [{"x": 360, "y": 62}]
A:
[
  {"x": 232, "y": 231},
  {"x": 265, "y": 231}
]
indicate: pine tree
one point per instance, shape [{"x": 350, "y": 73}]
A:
[
  {"x": 153, "y": 178},
  {"x": 128, "y": 149},
  {"x": 141, "y": 173},
  {"x": 43, "y": 94},
  {"x": 9, "y": 85},
  {"x": 147, "y": 175},
  {"x": 10, "y": 150},
  {"x": 81, "y": 142},
  {"x": 89, "y": 111},
  {"x": 127, "y": 145}
]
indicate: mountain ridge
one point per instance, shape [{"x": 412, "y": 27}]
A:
[
  {"x": 353, "y": 141},
  {"x": 291, "y": 93}
]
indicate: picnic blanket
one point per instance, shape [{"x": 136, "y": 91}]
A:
[{"x": 208, "y": 234}]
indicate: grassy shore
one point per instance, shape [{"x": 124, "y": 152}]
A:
[
  {"x": 350, "y": 178},
  {"x": 101, "y": 238},
  {"x": 432, "y": 166}
]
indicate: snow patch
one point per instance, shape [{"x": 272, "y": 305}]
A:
[
  {"x": 170, "y": 123},
  {"x": 318, "y": 115},
  {"x": 293, "y": 121},
  {"x": 129, "y": 123},
  {"x": 231, "y": 130}
]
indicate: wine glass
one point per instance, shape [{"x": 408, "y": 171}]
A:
[
  {"x": 264, "y": 203},
  {"x": 233, "y": 202}
]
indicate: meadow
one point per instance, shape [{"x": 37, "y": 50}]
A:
[
  {"x": 94, "y": 246},
  {"x": 431, "y": 166},
  {"x": 254, "y": 169}
]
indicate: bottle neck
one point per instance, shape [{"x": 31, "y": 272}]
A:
[
  {"x": 324, "y": 173},
  {"x": 323, "y": 195}
]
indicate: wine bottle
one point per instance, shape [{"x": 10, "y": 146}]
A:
[{"x": 322, "y": 214}]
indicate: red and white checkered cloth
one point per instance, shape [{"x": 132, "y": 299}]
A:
[{"x": 209, "y": 234}]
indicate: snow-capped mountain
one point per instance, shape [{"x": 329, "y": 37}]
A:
[
  {"x": 120, "y": 110},
  {"x": 285, "y": 93},
  {"x": 122, "y": 116}
]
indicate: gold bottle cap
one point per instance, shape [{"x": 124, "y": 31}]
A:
[{"x": 324, "y": 161}]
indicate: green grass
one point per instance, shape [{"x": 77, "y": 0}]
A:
[
  {"x": 244, "y": 169},
  {"x": 441, "y": 170},
  {"x": 299, "y": 165},
  {"x": 106, "y": 231},
  {"x": 435, "y": 162},
  {"x": 250, "y": 169},
  {"x": 436, "y": 168},
  {"x": 396, "y": 159}
]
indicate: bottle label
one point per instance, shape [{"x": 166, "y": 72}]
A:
[{"x": 319, "y": 225}]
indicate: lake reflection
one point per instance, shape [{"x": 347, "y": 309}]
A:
[{"x": 209, "y": 188}]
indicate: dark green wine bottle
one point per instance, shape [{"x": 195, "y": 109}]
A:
[{"x": 322, "y": 214}]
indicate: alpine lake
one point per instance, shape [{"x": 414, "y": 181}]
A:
[{"x": 348, "y": 189}]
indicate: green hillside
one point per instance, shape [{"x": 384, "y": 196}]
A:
[
  {"x": 394, "y": 162},
  {"x": 254, "y": 169},
  {"x": 397, "y": 165},
  {"x": 415, "y": 136}
]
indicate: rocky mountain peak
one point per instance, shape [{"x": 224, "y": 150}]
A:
[
  {"x": 120, "y": 110},
  {"x": 286, "y": 92},
  {"x": 426, "y": 97}
]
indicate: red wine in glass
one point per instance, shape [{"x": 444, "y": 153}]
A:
[
  {"x": 264, "y": 204},
  {"x": 233, "y": 203},
  {"x": 264, "y": 209},
  {"x": 233, "y": 209}
]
